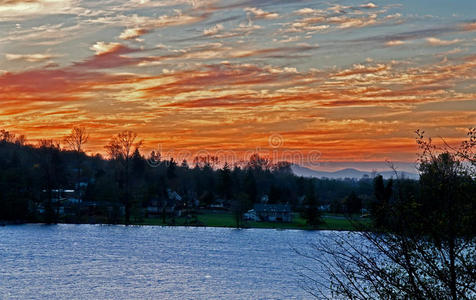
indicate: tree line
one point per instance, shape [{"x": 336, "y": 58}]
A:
[{"x": 119, "y": 187}]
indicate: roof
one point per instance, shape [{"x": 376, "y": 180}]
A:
[
  {"x": 272, "y": 207},
  {"x": 173, "y": 195}
]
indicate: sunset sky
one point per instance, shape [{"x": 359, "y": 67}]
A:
[{"x": 350, "y": 79}]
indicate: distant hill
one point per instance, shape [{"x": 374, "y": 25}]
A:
[{"x": 346, "y": 173}]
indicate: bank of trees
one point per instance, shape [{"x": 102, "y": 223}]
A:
[
  {"x": 119, "y": 186},
  {"x": 422, "y": 242}
]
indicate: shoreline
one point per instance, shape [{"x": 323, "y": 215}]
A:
[
  {"x": 329, "y": 224},
  {"x": 157, "y": 225}
]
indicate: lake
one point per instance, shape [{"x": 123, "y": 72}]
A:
[{"x": 147, "y": 262}]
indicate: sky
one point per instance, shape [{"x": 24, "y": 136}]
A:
[{"x": 348, "y": 80}]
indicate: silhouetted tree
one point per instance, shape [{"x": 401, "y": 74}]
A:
[
  {"x": 274, "y": 195},
  {"x": 53, "y": 177},
  {"x": 311, "y": 208},
  {"x": 250, "y": 186},
  {"x": 184, "y": 164},
  {"x": 75, "y": 142},
  {"x": 225, "y": 182},
  {"x": 6, "y": 136},
  {"x": 241, "y": 204},
  {"x": 120, "y": 149},
  {"x": 426, "y": 249},
  {"x": 171, "y": 166},
  {"x": 257, "y": 162},
  {"x": 353, "y": 204},
  {"x": 380, "y": 206},
  {"x": 15, "y": 190}
]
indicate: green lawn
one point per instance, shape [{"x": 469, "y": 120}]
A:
[{"x": 226, "y": 219}]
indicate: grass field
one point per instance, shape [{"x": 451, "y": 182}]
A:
[{"x": 226, "y": 219}]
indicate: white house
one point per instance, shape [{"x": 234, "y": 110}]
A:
[{"x": 251, "y": 215}]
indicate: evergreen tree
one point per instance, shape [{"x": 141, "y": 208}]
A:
[
  {"x": 353, "y": 204},
  {"x": 311, "y": 208}
]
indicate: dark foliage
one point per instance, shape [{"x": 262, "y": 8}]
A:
[
  {"x": 123, "y": 187},
  {"x": 311, "y": 207},
  {"x": 422, "y": 244}
]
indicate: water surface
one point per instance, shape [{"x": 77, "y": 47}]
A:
[{"x": 146, "y": 262}]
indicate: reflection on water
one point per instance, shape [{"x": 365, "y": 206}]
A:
[{"x": 141, "y": 262}]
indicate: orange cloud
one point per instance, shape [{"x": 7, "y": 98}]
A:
[
  {"x": 437, "y": 42},
  {"x": 132, "y": 33},
  {"x": 104, "y": 48},
  {"x": 369, "y": 5},
  {"x": 213, "y": 30},
  {"x": 37, "y": 57},
  {"x": 261, "y": 14},
  {"x": 338, "y": 17},
  {"x": 395, "y": 43},
  {"x": 18, "y": 9},
  {"x": 109, "y": 55},
  {"x": 469, "y": 26}
]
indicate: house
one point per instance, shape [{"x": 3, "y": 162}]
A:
[
  {"x": 264, "y": 199},
  {"x": 63, "y": 201},
  {"x": 173, "y": 195},
  {"x": 273, "y": 212},
  {"x": 251, "y": 215},
  {"x": 218, "y": 204},
  {"x": 153, "y": 207},
  {"x": 167, "y": 206},
  {"x": 173, "y": 205}
]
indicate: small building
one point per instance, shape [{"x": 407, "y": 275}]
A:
[
  {"x": 64, "y": 201},
  {"x": 154, "y": 207},
  {"x": 273, "y": 212},
  {"x": 251, "y": 215},
  {"x": 174, "y": 204},
  {"x": 264, "y": 199},
  {"x": 218, "y": 204},
  {"x": 173, "y": 195}
]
